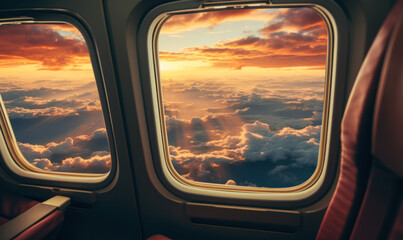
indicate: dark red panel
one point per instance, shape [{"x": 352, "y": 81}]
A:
[
  {"x": 43, "y": 228},
  {"x": 158, "y": 237},
  {"x": 3, "y": 220},
  {"x": 12, "y": 205},
  {"x": 397, "y": 229},
  {"x": 378, "y": 205}
]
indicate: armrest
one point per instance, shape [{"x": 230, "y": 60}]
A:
[
  {"x": 60, "y": 202},
  {"x": 33, "y": 215}
]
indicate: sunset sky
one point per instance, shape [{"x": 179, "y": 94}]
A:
[
  {"x": 49, "y": 90},
  {"x": 242, "y": 90},
  {"x": 243, "y": 94}
]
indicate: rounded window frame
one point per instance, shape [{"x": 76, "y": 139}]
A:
[
  {"x": 300, "y": 196},
  {"x": 14, "y": 162}
]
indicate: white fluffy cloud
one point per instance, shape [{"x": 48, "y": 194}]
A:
[
  {"x": 95, "y": 164},
  {"x": 218, "y": 132},
  {"x": 257, "y": 142},
  {"x": 285, "y": 148},
  {"x": 84, "y": 153}
]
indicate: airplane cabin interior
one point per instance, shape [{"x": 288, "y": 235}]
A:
[{"x": 201, "y": 119}]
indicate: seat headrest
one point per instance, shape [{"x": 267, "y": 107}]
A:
[{"x": 387, "y": 134}]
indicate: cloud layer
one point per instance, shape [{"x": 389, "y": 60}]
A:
[
  {"x": 82, "y": 154},
  {"x": 291, "y": 38},
  {"x": 56, "y": 116},
  {"x": 242, "y": 133},
  {"x": 249, "y": 130},
  {"x": 185, "y": 22},
  {"x": 43, "y": 44},
  {"x": 256, "y": 142},
  {"x": 30, "y": 103}
]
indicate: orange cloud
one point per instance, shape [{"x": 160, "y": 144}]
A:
[
  {"x": 230, "y": 182},
  {"x": 65, "y": 27},
  {"x": 183, "y": 22},
  {"x": 295, "y": 38},
  {"x": 95, "y": 164},
  {"x": 276, "y": 51},
  {"x": 295, "y": 19},
  {"x": 43, "y": 44},
  {"x": 49, "y": 112}
]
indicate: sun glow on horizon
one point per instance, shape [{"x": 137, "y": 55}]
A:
[
  {"x": 51, "y": 98},
  {"x": 243, "y": 94}
]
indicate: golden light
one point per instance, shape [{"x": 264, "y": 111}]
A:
[{"x": 164, "y": 66}]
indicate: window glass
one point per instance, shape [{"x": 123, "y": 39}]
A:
[
  {"x": 243, "y": 94},
  {"x": 51, "y": 99}
]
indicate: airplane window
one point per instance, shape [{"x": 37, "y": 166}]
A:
[
  {"x": 243, "y": 95},
  {"x": 52, "y": 116}
]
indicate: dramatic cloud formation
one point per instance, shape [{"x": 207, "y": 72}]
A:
[
  {"x": 55, "y": 115},
  {"x": 225, "y": 106},
  {"x": 50, "y": 108},
  {"x": 95, "y": 164},
  {"x": 183, "y": 22},
  {"x": 83, "y": 153},
  {"x": 45, "y": 44},
  {"x": 292, "y": 38},
  {"x": 29, "y": 107},
  {"x": 259, "y": 130},
  {"x": 256, "y": 142},
  {"x": 233, "y": 128},
  {"x": 239, "y": 132},
  {"x": 297, "y": 19}
]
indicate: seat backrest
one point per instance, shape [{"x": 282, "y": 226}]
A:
[
  {"x": 360, "y": 176},
  {"x": 387, "y": 141}
]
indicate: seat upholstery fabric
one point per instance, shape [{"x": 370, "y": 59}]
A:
[
  {"x": 356, "y": 158},
  {"x": 158, "y": 237},
  {"x": 47, "y": 228},
  {"x": 12, "y": 205}
]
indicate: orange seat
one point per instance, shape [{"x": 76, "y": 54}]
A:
[{"x": 367, "y": 203}]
